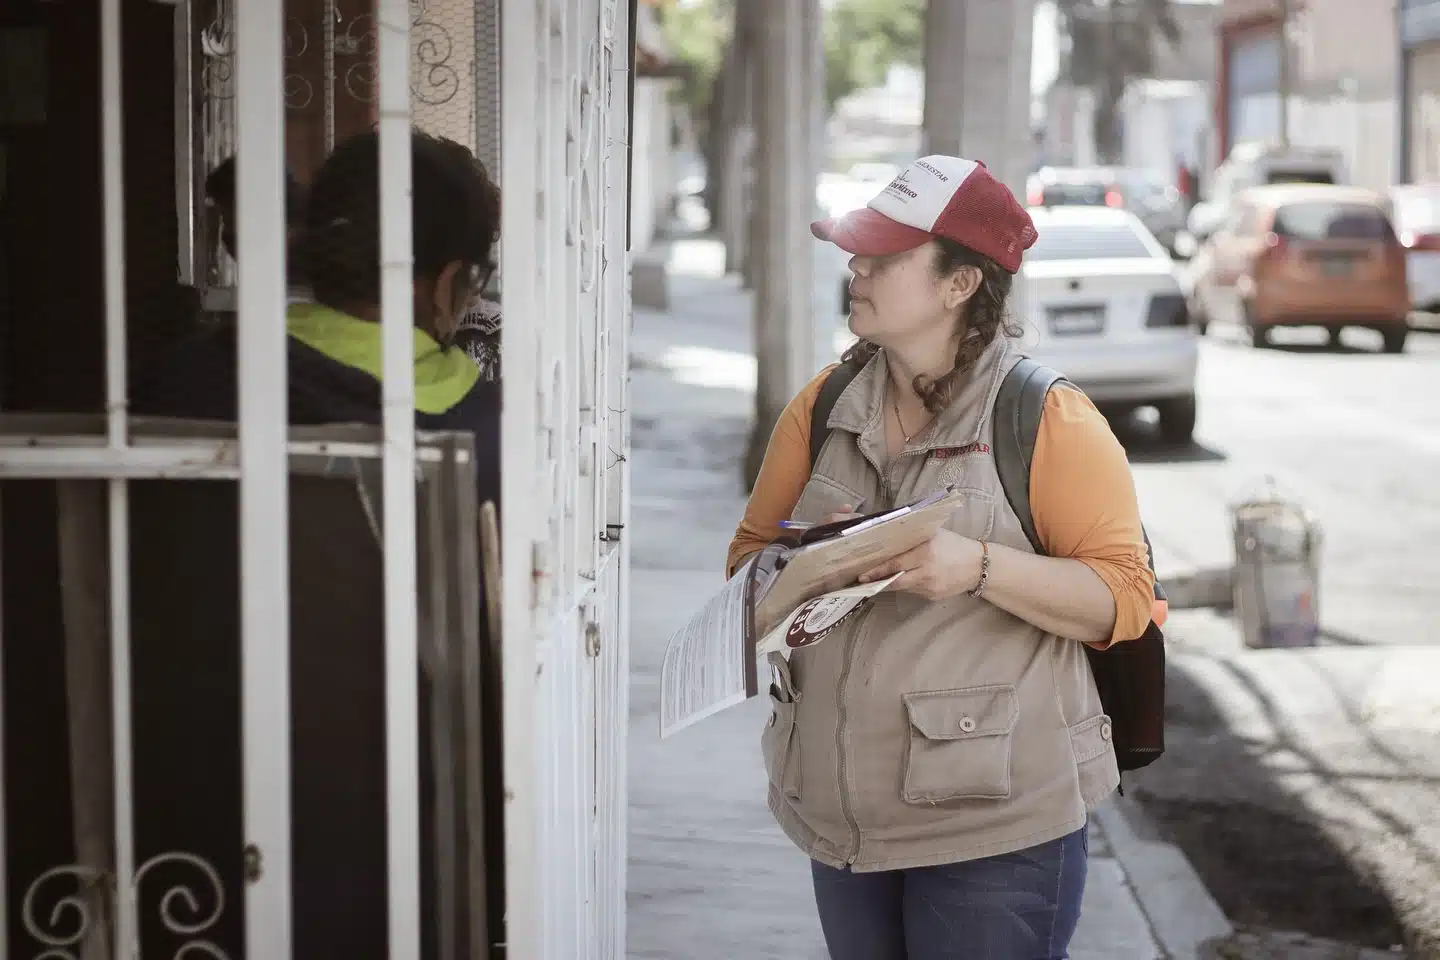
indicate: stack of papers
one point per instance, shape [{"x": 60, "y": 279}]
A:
[{"x": 784, "y": 598}]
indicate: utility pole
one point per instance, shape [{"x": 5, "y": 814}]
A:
[
  {"x": 732, "y": 143},
  {"x": 977, "y": 90},
  {"x": 977, "y": 84},
  {"x": 785, "y": 198},
  {"x": 1283, "y": 7}
]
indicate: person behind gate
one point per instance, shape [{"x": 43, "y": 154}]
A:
[{"x": 937, "y": 757}]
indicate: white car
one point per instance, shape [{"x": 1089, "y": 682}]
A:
[
  {"x": 1103, "y": 305},
  {"x": 1417, "y": 218}
]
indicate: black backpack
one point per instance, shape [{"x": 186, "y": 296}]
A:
[{"x": 1130, "y": 676}]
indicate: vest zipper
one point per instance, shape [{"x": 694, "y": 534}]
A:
[{"x": 852, "y": 643}]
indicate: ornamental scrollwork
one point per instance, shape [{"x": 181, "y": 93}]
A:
[
  {"x": 217, "y": 71},
  {"x": 433, "y": 78},
  {"x": 69, "y": 921},
  {"x": 189, "y": 920}
]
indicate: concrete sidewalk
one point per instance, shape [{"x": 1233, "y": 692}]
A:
[{"x": 711, "y": 876}]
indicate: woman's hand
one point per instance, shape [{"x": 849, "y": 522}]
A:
[
  {"x": 846, "y": 512},
  {"x": 943, "y": 567}
]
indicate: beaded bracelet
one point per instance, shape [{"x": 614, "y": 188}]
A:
[{"x": 984, "y": 569}]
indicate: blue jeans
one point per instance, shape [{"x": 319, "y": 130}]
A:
[{"x": 1019, "y": 906}]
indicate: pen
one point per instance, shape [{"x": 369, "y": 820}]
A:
[{"x": 802, "y": 525}]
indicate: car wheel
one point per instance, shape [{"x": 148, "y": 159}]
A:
[
  {"x": 1177, "y": 419},
  {"x": 1257, "y": 332},
  {"x": 1198, "y": 316},
  {"x": 1394, "y": 338}
]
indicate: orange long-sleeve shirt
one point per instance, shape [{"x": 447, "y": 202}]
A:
[{"x": 1082, "y": 498}]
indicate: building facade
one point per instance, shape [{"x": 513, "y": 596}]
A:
[
  {"x": 1343, "y": 65},
  {"x": 1419, "y": 90}
]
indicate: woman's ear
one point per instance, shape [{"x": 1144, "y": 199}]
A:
[
  {"x": 449, "y": 299},
  {"x": 962, "y": 286}
]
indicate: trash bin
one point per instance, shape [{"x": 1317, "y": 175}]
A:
[{"x": 1277, "y": 572}]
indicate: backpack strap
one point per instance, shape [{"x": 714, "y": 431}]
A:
[
  {"x": 825, "y": 401},
  {"x": 1129, "y": 677},
  {"x": 1018, "y": 408}
]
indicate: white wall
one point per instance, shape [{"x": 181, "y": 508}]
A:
[
  {"x": 1363, "y": 131},
  {"x": 651, "y": 186}
]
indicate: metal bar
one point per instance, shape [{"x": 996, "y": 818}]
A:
[
  {"x": 440, "y": 662},
  {"x": 617, "y": 314},
  {"x": 630, "y": 36},
  {"x": 184, "y": 143},
  {"x": 113, "y": 189},
  {"x": 264, "y": 492},
  {"x": 84, "y": 592},
  {"x": 476, "y": 733},
  {"x": 519, "y": 243},
  {"x": 4, "y": 838},
  {"x": 193, "y": 460},
  {"x": 330, "y": 14},
  {"x": 126, "y": 932},
  {"x": 398, "y": 403}
]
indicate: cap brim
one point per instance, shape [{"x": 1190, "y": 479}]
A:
[{"x": 869, "y": 233}]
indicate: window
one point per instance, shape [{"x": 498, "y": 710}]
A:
[
  {"x": 1145, "y": 186},
  {"x": 1325, "y": 220},
  {"x": 1089, "y": 241},
  {"x": 1073, "y": 194},
  {"x": 1281, "y": 175}
]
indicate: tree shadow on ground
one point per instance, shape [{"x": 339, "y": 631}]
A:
[
  {"x": 1139, "y": 434},
  {"x": 1265, "y": 858}
]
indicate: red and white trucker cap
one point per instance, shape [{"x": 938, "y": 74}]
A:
[{"x": 933, "y": 197}]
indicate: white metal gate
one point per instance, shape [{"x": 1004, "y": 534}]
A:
[
  {"x": 564, "y": 138},
  {"x": 564, "y": 76}
]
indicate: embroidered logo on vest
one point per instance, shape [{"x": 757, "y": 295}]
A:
[{"x": 947, "y": 453}]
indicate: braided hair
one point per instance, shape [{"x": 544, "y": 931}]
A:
[{"x": 985, "y": 318}]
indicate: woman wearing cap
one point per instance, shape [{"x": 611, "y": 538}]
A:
[{"x": 936, "y": 757}]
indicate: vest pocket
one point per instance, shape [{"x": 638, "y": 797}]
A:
[
  {"x": 975, "y": 516},
  {"x": 959, "y": 744},
  {"x": 781, "y": 749},
  {"x": 823, "y": 496},
  {"x": 1092, "y": 739}
]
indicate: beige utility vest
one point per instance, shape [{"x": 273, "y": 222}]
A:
[{"x": 922, "y": 732}]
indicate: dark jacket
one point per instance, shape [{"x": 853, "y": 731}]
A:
[
  {"x": 334, "y": 377},
  {"x": 337, "y": 644}
]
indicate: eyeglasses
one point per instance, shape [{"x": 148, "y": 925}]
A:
[{"x": 480, "y": 277}]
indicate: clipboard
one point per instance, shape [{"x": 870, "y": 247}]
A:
[{"x": 792, "y": 570}]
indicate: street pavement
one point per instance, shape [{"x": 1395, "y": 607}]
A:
[
  {"x": 711, "y": 876},
  {"x": 1303, "y": 783}
]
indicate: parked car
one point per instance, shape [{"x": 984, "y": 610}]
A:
[
  {"x": 1104, "y": 306},
  {"x": 1417, "y": 220},
  {"x": 1144, "y": 193},
  {"x": 1306, "y": 255},
  {"x": 1071, "y": 187},
  {"x": 1257, "y": 165}
]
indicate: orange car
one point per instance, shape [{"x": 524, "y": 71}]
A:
[{"x": 1305, "y": 255}]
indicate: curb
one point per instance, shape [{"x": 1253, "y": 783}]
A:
[{"x": 1182, "y": 914}]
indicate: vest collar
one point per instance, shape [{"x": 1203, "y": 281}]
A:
[{"x": 860, "y": 409}]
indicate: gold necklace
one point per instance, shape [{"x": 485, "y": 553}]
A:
[{"x": 895, "y": 405}]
